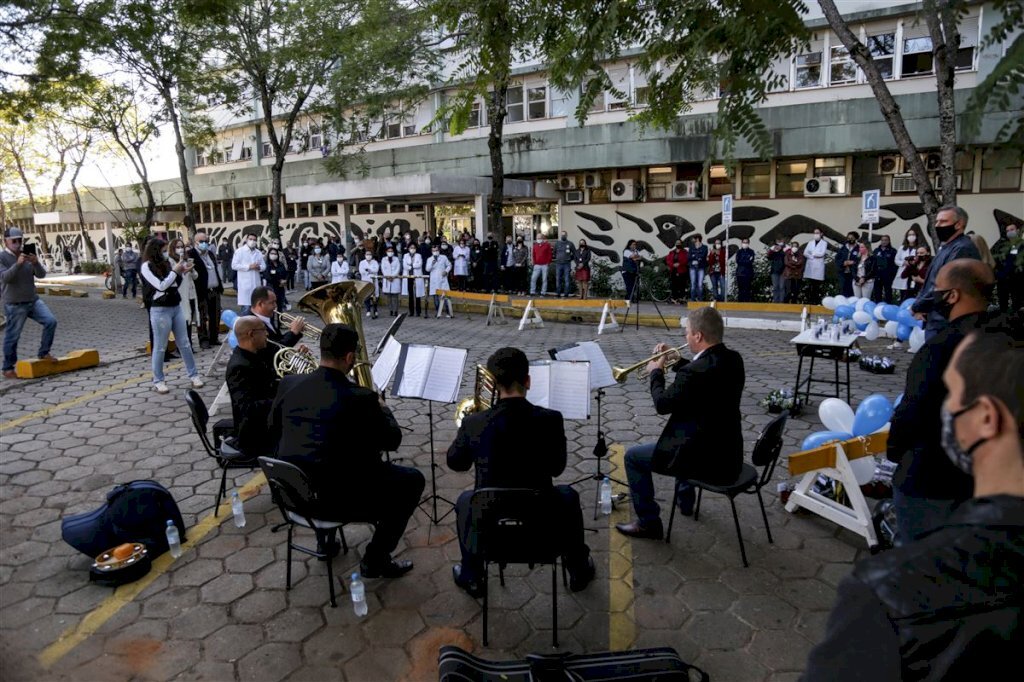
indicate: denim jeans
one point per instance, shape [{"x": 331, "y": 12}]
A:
[
  {"x": 718, "y": 286},
  {"x": 130, "y": 279},
  {"x": 639, "y": 473},
  {"x": 539, "y": 272},
  {"x": 16, "y": 314},
  {"x": 778, "y": 288},
  {"x": 166, "y": 319},
  {"x": 696, "y": 284},
  {"x": 563, "y": 274}
]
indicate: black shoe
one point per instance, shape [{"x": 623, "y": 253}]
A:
[
  {"x": 391, "y": 569},
  {"x": 638, "y": 530},
  {"x": 473, "y": 588},
  {"x": 687, "y": 498},
  {"x": 581, "y": 576}
]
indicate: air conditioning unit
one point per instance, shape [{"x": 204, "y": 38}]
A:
[
  {"x": 890, "y": 164},
  {"x": 903, "y": 182},
  {"x": 818, "y": 187},
  {"x": 932, "y": 161},
  {"x": 249, "y": 204},
  {"x": 566, "y": 182},
  {"x": 592, "y": 180},
  {"x": 684, "y": 189},
  {"x": 575, "y": 196},
  {"x": 622, "y": 190}
]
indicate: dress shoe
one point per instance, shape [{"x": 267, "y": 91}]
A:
[
  {"x": 390, "y": 569},
  {"x": 10, "y": 374},
  {"x": 581, "y": 576},
  {"x": 48, "y": 358},
  {"x": 473, "y": 588},
  {"x": 638, "y": 530}
]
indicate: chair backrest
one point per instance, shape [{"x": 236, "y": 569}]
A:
[
  {"x": 291, "y": 488},
  {"x": 768, "y": 447},
  {"x": 513, "y": 525},
  {"x": 200, "y": 419}
]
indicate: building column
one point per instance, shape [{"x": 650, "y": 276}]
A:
[
  {"x": 429, "y": 224},
  {"x": 480, "y": 213},
  {"x": 345, "y": 216}
]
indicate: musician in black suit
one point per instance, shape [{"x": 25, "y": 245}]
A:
[
  {"x": 492, "y": 440},
  {"x": 703, "y": 438},
  {"x": 264, "y": 307},
  {"x": 336, "y": 430},
  {"x": 209, "y": 288},
  {"x": 252, "y": 384}
]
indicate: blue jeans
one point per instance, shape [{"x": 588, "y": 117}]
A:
[
  {"x": 639, "y": 473},
  {"x": 16, "y": 314},
  {"x": 696, "y": 284},
  {"x": 917, "y": 515},
  {"x": 539, "y": 271},
  {"x": 718, "y": 286},
  {"x": 563, "y": 274},
  {"x": 130, "y": 279},
  {"x": 778, "y": 288},
  {"x": 166, "y": 319}
]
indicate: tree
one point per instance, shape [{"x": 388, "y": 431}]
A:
[{"x": 1005, "y": 81}]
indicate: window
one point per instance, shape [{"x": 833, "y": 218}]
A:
[
  {"x": 833, "y": 167},
  {"x": 917, "y": 56},
  {"x": 965, "y": 54},
  {"x": 843, "y": 70},
  {"x": 721, "y": 183},
  {"x": 640, "y": 96},
  {"x": 316, "y": 139},
  {"x": 660, "y": 175},
  {"x": 1000, "y": 170},
  {"x": 246, "y": 154},
  {"x": 409, "y": 130},
  {"x": 267, "y": 149},
  {"x": 537, "y": 102},
  {"x": 620, "y": 81},
  {"x": 393, "y": 130},
  {"x": 883, "y": 50},
  {"x": 808, "y": 70},
  {"x": 789, "y": 178},
  {"x": 229, "y": 154},
  {"x": 200, "y": 158},
  {"x": 514, "y": 105},
  {"x": 756, "y": 180},
  {"x": 559, "y": 103},
  {"x": 475, "y": 115}
]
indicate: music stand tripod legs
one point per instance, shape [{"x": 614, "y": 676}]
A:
[
  {"x": 634, "y": 300},
  {"x": 433, "y": 497},
  {"x": 600, "y": 452}
]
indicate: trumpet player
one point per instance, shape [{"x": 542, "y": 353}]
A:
[
  {"x": 264, "y": 307},
  {"x": 252, "y": 384},
  {"x": 702, "y": 439}
]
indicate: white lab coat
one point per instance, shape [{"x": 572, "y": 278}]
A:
[
  {"x": 438, "y": 267},
  {"x": 187, "y": 291},
  {"x": 412, "y": 264},
  {"x": 899, "y": 282},
  {"x": 368, "y": 271},
  {"x": 248, "y": 279},
  {"x": 814, "y": 268},
  {"x": 339, "y": 271},
  {"x": 391, "y": 269},
  {"x": 461, "y": 256}
]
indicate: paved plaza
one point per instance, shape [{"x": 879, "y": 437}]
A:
[{"x": 221, "y": 611}]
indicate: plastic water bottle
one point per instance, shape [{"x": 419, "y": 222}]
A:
[
  {"x": 237, "y": 509},
  {"x": 358, "y": 591},
  {"x": 173, "y": 539},
  {"x": 606, "y": 496}
]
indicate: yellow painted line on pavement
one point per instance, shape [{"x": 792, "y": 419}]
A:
[
  {"x": 74, "y": 402},
  {"x": 124, "y": 595},
  {"x": 621, "y": 619}
]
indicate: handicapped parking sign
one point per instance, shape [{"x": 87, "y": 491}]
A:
[{"x": 869, "y": 206}]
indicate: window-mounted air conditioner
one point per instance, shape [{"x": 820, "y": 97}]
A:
[
  {"x": 566, "y": 182},
  {"x": 622, "y": 190},
  {"x": 684, "y": 189},
  {"x": 890, "y": 164},
  {"x": 818, "y": 187},
  {"x": 592, "y": 180},
  {"x": 903, "y": 182},
  {"x": 575, "y": 196}
]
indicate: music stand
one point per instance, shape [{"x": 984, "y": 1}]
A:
[{"x": 635, "y": 300}]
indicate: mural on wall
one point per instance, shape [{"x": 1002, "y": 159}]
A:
[{"x": 656, "y": 226}]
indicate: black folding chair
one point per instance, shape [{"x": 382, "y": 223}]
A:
[
  {"x": 221, "y": 449},
  {"x": 766, "y": 454},
  {"x": 513, "y": 526}
]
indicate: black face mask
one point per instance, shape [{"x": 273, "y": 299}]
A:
[{"x": 944, "y": 232}]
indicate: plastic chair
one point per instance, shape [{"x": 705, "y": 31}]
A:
[{"x": 221, "y": 449}]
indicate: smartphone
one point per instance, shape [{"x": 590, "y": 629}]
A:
[
  {"x": 29, "y": 249},
  {"x": 192, "y": 261}
]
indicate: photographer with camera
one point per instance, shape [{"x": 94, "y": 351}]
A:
[{"x": 19, "y": 267}]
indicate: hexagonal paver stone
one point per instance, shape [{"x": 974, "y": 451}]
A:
[
  {"x": 718, "y": 631},
  {"x": 259, "y": 606},
  {"x": 811, "y": 595},
  {"x": 227, "y": 588},
  {"x": 731, "y": 665},
  {"x": 378, "y": 663},
  {"x": 249, "y": 560},
  {"x": 199, "y": 621},
  {"x": 294, "y": 625},
  {"x": 706, "y": 596},
  {"x": 780, "y": 650},
  {"x": 393, "y": 627},
  {"x": 764, "y": 612},
  {"x": 269, "y": 663},
  {"x": 659, "y": 613},
  {"x": 197, "y": 572},
  {"x": 334, "y": 645},
  {"x": 232, "y": 642}
]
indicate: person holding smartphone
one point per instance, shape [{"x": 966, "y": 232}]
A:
[{"x": 19, "y": 267}]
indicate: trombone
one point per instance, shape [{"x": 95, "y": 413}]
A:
[
  {"x": 672, "y": 356},
  {"x": 313, "y": 333}
]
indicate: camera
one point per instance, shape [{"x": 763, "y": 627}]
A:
[{"x": 29, "y": 249}]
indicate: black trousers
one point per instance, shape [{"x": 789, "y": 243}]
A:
[
  {"x": 629, "y": 278},
  {"x": 1008, "y": 288},
  {"x": 792, "y": 290},
  {"x": 415, "y": 306},
  {"x": 209, "y": 318},
  {"x": 392, "y": 498},
  {"x": 680, "y": 285},
  {"x": 567, "y": 525},
  {"x": 883, "y": 289},
  {"x": 813, "y": 291},
  {"x": 744, "y": 284}
]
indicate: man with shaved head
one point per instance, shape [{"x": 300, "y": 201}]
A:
[
  {"x": 926, "y": 485},
  {"x": 252, "y": 384}
]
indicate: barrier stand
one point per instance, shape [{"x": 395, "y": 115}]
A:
[
  {"x": 495, "y": 312},
  {"x": 608, "y": 321},
  {"x": 531, "y": 317},
  {"x": 833, "y": 460},
  {"x": 446, "y": 302}
]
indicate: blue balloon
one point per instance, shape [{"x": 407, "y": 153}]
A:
[
  {"x": 862, "y": 327},
  {"x": 869, "y": 308},
  {"x": 872, "y": 414},
  {"x": 907, "y": 303},
  {"x": 890, "y": 312},
  {"x": 845, "y": 312},
  {"x": 229, "y": 317},
  {"x": 903, "y": 332},
  {"x": 232, "y": 339},
  {"x": 821, "y": 437},
  {"x": 906, "y": 318}
]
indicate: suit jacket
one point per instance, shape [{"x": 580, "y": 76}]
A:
[
  {"x": 252, "y": 384},
  {"x": 202, "y": 275},
  {"x": 703, "y": 438},
  {"x": 334, "y": 429},
  {"x": 274, "y": 333},
  {"x": 515, "y": 444}
]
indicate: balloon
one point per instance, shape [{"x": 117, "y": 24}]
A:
[
  {"x": 232, "y": 339},
  {"x": 861, "y": 317},
  {"x": 839, "y": 299},
  {"x": 822, "y": 437},
  {"x": 863, "y": 469},
  {"x": 859, "y": 305},
  {"x": 916, "y": 339},
  {"x": 869, "y": 308},
  {"x": 844, "y": 312},
  {"x": 872, "y": 413},
  {"x": 891, "y": 312},
  {"x": 884, "y": 427},
  {"x": 862, "y": 326},
  {"x": 879, "y": 313},
  {"x": 872, "y": 331},
  {"x": 907, "y": 303},
  {"x": 836, "y": 415},
  {"x": 829, "y": 302},
  {"x": 906, "y": 318},
  {"x": 229, "y": 317},
  {"x": 891, "y": 328},
  {"x": 903, "y": 332}
]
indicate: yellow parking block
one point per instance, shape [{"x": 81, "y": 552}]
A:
[
  {"x": 78, "y": 293},
  {"x": 107, "y": 295},
  {"x": 76, "y": 359},
  {"x": 58, "y": 291}
]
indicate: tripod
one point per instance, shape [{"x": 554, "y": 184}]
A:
[
  {"x": 600, "y": 452},
  {"x": 433, "y": 497},
  {"x": 634, "y": 299}
]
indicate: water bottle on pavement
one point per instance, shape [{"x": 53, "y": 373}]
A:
[
  {"x": 237, "y": 509},
  {"x": 173, "y": 539},
  {"x": 358, "y": 591},
  {"x": 606, "y": 496}
]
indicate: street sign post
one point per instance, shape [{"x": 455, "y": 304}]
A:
[{"x": 869, "y": 210}]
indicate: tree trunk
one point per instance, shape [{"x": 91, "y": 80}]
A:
[
  {"x": 90, "y": 248},
  {"x": 63, "y": 166},
  {"x": 945, "y": 35},
  {"x": 890, "y": 111},
  {"x": 24, "y": 180},
  {"x": 179, "y": 149},
  {"x": 496, "y": 112}
]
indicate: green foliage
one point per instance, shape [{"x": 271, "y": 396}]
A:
[
  {"x": 604, "y": 279},
  {"x": 1005, "y": 84},
  {"x": 94, "y": 267}
]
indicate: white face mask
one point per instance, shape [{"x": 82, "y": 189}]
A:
[
  {"x": 341, "y": 260},
  {"x": 252, "y": 243},
  {"x": 435, "y": 252},
  {"x": 273, "y": 256},
  {"x": 316, "y": 251},
  {"x": 369, "y": 257},
  {"x": 911, "y": 238},
  {"x": 390, "y": 254}
]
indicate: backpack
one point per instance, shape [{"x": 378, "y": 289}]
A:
[{"x": 134, "y": 512}]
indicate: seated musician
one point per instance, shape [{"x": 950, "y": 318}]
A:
[
  {"x": 494, "y": 440},
  {"x": 703, "y": 438},
  {"x": 336, "y": 430},
  {"x": 252, "y": 384},
  {"x": 264, "y": 306}
]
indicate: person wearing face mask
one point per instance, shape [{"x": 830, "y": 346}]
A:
[
  {"x": 506, "y": 261},
  {"x": 865, "y": 273},
  {"x": 369, "y": 271},
  {"x": 461, "y": 265},
  {"x": 565, "y": 253},
  {"x": 225, "y": 254},
  {"x": 814, "y": 266},
  {"x": 489, "y": 264},
  {"x": 950, "y": 223},
  {"x": 716, "y": 269},
  {"x": 476, "y": 265},
  {"x": 276, "y": 276},
  {"x": 339, "y": 269},
  {"x": 793, "y": 276},
  {"x": 291, "y": 259},
  {"x": 582, "y": 264},
  {"x": 391, "y": 270},
  {"x": 415, "y": 286},
  {"x": 846, "y": 263},
  {"x": 698, "y": 258},
  {"x": 186, "y": 289},
  {"x": 247, "y": 263},
  {"x": 885, "y": 271},
  {"x": 520, "y": 266},
  {"x": 948, "y": 606},
  {"x": 438, "y": 268},
  {"x": 745, "y": 271},
  {"x": 209, "y": 288},
  {"x": 319, "y": 268},
  {"x": 907, "y": 250},
  {"x": 678, "y": 260},
  {"x": 777, "y": 268},
  {"x": 925, "y": 486},
  {"x": 1008, "y": 254}
]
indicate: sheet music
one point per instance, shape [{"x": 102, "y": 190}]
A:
[
  {"x": 384, "y": 368},
  {"x": 600, "y": 369},
  {"x": 562, "y": 386},
  {"x": 415, "y": 364},
  {"x": 445, "y": 374},
  {"x": 540, "y": 382}
]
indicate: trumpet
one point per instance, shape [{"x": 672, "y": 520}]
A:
[
  {"x": 313, "y": 333},
  {"x": 672, "y": 356},
  {"x": 291, "y": 361}
]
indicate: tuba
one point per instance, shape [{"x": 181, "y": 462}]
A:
[
  {"x": 340, "y": 303},
  {"x": 485, "y": 393}
]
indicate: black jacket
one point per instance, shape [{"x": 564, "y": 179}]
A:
[
  {"x": 252, "y": 384},
  {"x": 334, "y": 429},
  {"x": 203, "y": 276},
  {"x": 703, "y": 438},
  {"x": 945, "y": 607},
  {"x": 515, "y": 444},
  {"x": 915, "y": 433},
  {"x": 274, "y": 333}
]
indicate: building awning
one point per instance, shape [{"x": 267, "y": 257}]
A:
[
  {"x": 72, "y": 218},
  {"x": 424, "y": 188}
]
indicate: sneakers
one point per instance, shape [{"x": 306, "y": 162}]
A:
[
  {"x": 196, "y": 382},
  {"x": 895, "y": 345},
  {"x": 161, "y": 387}
]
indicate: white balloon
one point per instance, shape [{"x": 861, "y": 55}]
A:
[
  {"x": 861, "y": 317},
  {"x": 839, "y": 299},
  {"x": 916, "y": 339},
  {"x": 863, "y": 469},
  {"x": 859, "y": 305},
  {"x": 884, "y": 427},
  {"x": 879, "y": 313},
  {"x": 871, "y": 333},
  {"x": 836, "y": 415},
  {"x": 829, "y": 302},
  {"x": 890, "y": 328}
]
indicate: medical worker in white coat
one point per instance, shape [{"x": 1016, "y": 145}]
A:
[
  {"x": 814, "y": 267},
  {"x": 415, "y": 287},
  {"x": 438, "y": 266},
  {"x": 390, "y": 270},
  {"x": 339, "y": 269},
  {"x": 248, "y": 263},
  {"x": 369, "y": 270}
]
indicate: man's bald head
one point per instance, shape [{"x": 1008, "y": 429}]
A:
[
  {"x": 967, "y": 284},
  {"x": 251, "y": 333}
]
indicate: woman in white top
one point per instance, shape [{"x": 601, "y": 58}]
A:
[
  {"x": 390, "y": 270},
  {"x": 415, "y": 287},
  {"x": 438, "y": 266},
  {"x": 165, "y": 314},
  {"x": 248, "y": 263},
  {"x": 369, "y": 270},
  {"x": 187, "y": 290},
  {"x": 814, "y": 266},
  {"x": 911, "y": 240},
  {"x": 461, "y": 266},
  {"x": 339, "y": 269}
]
